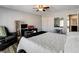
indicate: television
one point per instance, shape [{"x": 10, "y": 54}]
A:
[{"x": 23, "y": 25}]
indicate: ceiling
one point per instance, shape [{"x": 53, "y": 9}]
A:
[{"x": 30, "y": 8}]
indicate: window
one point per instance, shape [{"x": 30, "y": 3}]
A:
[{"x": 61, "y": 23}]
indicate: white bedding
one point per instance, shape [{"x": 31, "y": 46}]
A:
[
  {"x": 73, "y": 34},
  {"x": 48, "y": 42},
  {"x": 72, "y": 43}
]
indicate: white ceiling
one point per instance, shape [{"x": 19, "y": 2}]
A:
[{"x": 30, "y": 8}]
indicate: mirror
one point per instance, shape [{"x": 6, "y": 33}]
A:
[{"x": 58, "y": 22}]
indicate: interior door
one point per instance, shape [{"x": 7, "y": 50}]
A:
[{"x": 73, "y": 22}]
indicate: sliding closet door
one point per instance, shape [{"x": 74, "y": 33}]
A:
[{"x": 45, "y": 23}]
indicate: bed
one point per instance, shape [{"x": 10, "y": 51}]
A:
[
  {"x": 44, "y": 43},
  {"x": 72, "y": 43}
]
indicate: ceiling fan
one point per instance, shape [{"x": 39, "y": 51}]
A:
[{"x": 41, "y": 7}]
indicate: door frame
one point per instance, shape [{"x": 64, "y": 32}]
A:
[{"x": 70, "y": 20}]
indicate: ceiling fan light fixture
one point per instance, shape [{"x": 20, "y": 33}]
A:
[{"x": 41, "y": 7}]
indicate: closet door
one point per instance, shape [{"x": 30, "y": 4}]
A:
[{"x": 45, "y": 24}]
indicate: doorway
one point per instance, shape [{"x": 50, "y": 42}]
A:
[{"x": 73, "y": 23}]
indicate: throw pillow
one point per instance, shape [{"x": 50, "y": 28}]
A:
[{"x": 2, "y": 31}]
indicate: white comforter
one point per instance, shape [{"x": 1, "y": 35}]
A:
[
  {"x": 48, "y": 42},
  {"x": 72, "y": 43}
]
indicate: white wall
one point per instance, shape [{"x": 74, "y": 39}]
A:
[
  {"x": 48, "y": 19},
  {"x": 8, "y": 17},
  {"x": 46, "y": 22}
]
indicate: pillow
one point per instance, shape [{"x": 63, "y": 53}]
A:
[{"x": 2, "y": 31}]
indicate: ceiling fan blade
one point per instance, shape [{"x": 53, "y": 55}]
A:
[{"x": 46, "y": 7}]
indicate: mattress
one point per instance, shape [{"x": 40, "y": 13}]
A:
[{"x": 44, "y": 43}]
